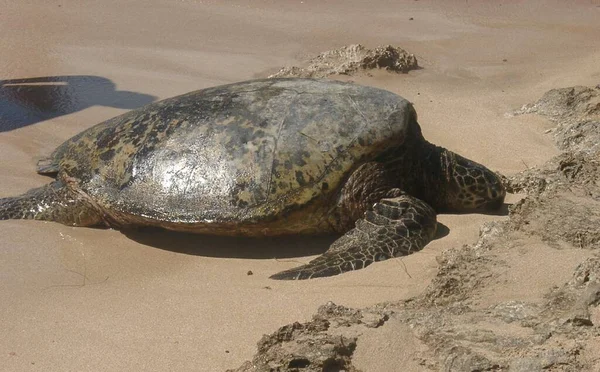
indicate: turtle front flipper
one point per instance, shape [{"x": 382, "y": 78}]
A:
[
  {"x": 395, "y": 227},
  {"x": 52, "y": 202}
]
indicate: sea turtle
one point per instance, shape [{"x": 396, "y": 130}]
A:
[{"x": 266, "y": 157}]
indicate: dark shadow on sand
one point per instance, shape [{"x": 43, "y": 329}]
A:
[
  {"x": 241, "y": 247},
  {"x": 29, "y": 101},
  {"x": 440, "y": 232},
  {"x": 232, "y": 247},
  {"x": 502, "y": 211}
]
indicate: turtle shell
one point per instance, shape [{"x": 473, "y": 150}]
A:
[{"x": 234, "y": 154}]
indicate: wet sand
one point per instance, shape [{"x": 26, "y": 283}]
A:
[{"x": 93, "y": 299}]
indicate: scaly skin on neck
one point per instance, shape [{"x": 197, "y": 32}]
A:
[
  {"x": 440, "y": 177},
  {"x": 436, "y": 175},
  {"x": 367, "y": 185}
]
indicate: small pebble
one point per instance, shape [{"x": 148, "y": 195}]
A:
[
  {"x": 411, "y": 18},
  {"x": 249, "y": 272},
  {"x": 505, "y": 60}
]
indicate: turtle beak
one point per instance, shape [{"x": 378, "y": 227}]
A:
[{"x": 494, "y": 204}]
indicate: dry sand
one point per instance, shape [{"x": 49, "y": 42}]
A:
[{"x": 92, "y": 300}]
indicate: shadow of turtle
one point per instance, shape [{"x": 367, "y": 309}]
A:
[
  {"x": 232, "y": 247},
  {"x": 441, "y": 231},
  {"x": 502, "y": 210},
  {"x": 29, "y": 101},
  {"x": 241, "y": 247}
]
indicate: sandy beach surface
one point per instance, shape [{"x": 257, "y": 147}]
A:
[{"x": 80, "y": 299}]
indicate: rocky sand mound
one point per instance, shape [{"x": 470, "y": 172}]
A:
[
  {"x": 351, "y": 59},
  {"x": 475, "y": 315}
]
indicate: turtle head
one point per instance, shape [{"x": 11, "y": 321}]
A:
[{"x": 470, "y": 185}]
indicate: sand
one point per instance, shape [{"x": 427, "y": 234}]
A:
[{"x": 92, "y": 300}]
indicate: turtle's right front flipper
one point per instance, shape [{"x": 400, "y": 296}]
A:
[
  {"x": 395, "y": 227},
  {"x": 52, "y": 202}
]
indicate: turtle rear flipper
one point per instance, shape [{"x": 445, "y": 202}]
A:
[
  {"x": 52, "y": 202},
  {"x": 47, "y": 166},
  {"x": 395, "y": 227},
  {"x": 50, "y": 166}
]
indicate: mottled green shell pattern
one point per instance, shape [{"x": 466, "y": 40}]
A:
[{"x": 240, "y": 153}]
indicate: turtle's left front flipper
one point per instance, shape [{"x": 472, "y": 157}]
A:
[{"x": 395, "y": 227}]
